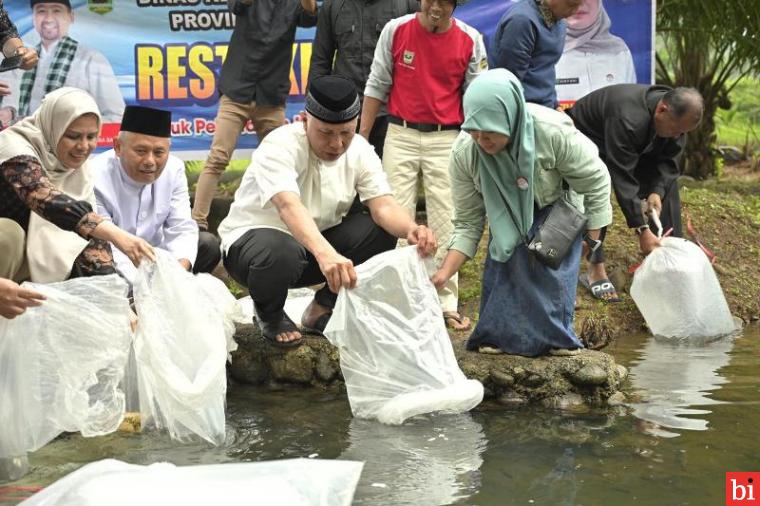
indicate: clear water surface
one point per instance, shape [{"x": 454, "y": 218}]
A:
[{"x": 693, "y": 416}]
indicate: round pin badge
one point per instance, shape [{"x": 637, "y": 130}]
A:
[{"x": 522, "y": 183}]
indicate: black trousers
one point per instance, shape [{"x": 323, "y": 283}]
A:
[
  {"x": 269, "y": 261},
  {"x": 209, "y": 252},
  {"x": 670, "y": 217},
  {"x": 377, "y": 135}
]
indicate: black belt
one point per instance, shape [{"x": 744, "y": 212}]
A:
[{"x": 422, "y": 127}]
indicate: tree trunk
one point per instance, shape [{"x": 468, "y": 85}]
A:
[
  {"x": 694, "y": 69},
  {"x": 698, "y": 160}
]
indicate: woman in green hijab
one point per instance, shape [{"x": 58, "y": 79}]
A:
[{"x": 519, "y": 154}]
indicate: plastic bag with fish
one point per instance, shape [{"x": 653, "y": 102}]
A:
[
  {"x": 678, "y": 294},
  {"x": 184, "y": 333},
  {"x": 293, "y": 482},
  {"x": 61, "y": 364},
  {"x": 395, "y": 353}
]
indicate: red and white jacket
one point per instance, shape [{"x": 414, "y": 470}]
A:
[{"x": 422, "y": 75}]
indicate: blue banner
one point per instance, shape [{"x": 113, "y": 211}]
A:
[{"x": 170, "y": 56}]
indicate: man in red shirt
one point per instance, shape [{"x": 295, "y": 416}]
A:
[{"x": 422, "y": 64}]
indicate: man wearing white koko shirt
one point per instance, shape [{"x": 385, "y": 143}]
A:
[{"x": 143, "y": 189}]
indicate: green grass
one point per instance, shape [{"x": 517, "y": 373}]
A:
[
  {"x": 196, "y": 166},
  {"x": 724, "y": 199},
  {"x": 230, "y": 178}
]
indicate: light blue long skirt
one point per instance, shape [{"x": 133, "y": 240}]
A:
[{"x": 527, "y": 308}]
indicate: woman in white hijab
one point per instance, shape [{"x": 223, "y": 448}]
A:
[
  {"x": 593, "y": 58},
  {"x": 47, "y": 197}
]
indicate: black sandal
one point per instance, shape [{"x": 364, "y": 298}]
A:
[
  {"x": 602, "y": 290},
  {"x": 318, "y": 327},
  {"x": 270, "y": 331}
]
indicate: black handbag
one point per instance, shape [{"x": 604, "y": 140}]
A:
[{"x": 556, "y": 235}]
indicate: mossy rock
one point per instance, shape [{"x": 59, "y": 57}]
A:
[{"x": 591, "y": 376}]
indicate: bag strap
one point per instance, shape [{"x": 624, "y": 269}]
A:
[
  {"x": 511, "y": 214},
  {"x": 565, "y": 188}
]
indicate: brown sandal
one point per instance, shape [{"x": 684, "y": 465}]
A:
[
  {"x": 315, "y": 326},
  {"x": 456, "y": 321},
  {"x": 318, "y": 327}
]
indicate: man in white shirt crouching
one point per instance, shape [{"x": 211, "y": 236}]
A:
[
  {"x": 143, "y": 190},
  {"x": 290, "y": 226}
]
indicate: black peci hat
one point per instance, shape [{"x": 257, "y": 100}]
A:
[
  {"x": 146, "y": 120},
  {"x": 332, "y": 99}
]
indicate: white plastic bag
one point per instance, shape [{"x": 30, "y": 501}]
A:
[
  {"x": 395, "y": 352},
  {"x": 678, "y": 294},
  {"x": 61, "y": 364},
  {"x": 184, "y": 332},
  {"x": 295, "y": 482}
]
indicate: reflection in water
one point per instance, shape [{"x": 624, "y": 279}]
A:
[
  {"x": 540, "y": 456},
  {"x": 432, "y": 459},
  {"x": 675, "y": 376},
  {"x": 560, "y": 485}
]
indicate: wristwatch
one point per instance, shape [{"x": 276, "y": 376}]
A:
[
  {"x": 640, "y": 230},
  {"x": 593, "y": 244}
]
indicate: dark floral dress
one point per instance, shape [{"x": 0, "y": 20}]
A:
[
  {"x": 25, "y": 188},
  {"x": 7, "y": 28}
]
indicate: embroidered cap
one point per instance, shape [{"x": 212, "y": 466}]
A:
[
  {"x": 146, "y": 120},
  {"x": 332, "y": 99},
  {"x": 32, "y": 3}
]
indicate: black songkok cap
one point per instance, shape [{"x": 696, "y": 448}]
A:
[
  {"x": 32, "y": 3},
  {"x": 148, "y": 121},
  {"x": 333, "y": 99}
]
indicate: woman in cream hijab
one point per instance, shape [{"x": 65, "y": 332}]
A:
[{"x": 47, "y": 223}]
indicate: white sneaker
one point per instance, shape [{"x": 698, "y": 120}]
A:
[
  {"x": 563, "y": 352},
  {"x": 487, "y": 349}
]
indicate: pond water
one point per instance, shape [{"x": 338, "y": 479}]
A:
[{"x": 694, "y": 418}]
